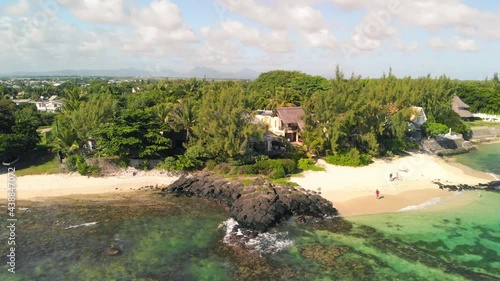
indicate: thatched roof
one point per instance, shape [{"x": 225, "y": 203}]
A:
[
  {"x": 460, "y": 107},
  {"x": 291, "y": 115}
]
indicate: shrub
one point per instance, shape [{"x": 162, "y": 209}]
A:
[
  {"x": 225, "y": 169},
  {"x": 78, "y": 163},
  {"x": 306, "y": 164},
  {"x": 168, "y": 164},
  {"x": 260, "y": 158},
  {"x": 144, "y": 165},
  {"x": 182, "y": 163},
  {"x": 248, "y": 170},
  {"x": 210, "y": 165},
  {"x": 187, "y": 163},
  {"x": 72, "y": 161},
  {"x": 354, "y": 159},
  {"x": 82, "y": 167},
  {"x": 434, "y": 129},
  {"x": 93, "y": 170},
  {"x": 278, "y": 173},
  {"x": 267, "y": 167}
]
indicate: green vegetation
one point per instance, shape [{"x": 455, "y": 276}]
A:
[
  {"x": 306, "y": 164},
  {"x": 179, "y": 163},
  {"x": 482, "y": 96},
  {"x": 284, "y": 181},
  {"x": 78, "y": 163},
  {"x": 18, "y": 133},
  {"x": 481, "y": 123},
  {"x": 38, "y": 162},
  {"x": 194, "y": 124},
  {"x": 434, "y": 129},
  {"x": 271, "y": 168},
  {"x": 354, "y": 159}
]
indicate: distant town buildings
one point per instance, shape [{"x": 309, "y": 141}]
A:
[{"x": 52, "y": 104}]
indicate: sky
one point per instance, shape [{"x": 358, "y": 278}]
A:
[{"x": 457, "y": 38}]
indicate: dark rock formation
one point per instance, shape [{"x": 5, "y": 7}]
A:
[
  {"x": 259, "y": 206},
  {"x": 491, "y": 186}
]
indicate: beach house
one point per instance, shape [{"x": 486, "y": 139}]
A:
[
  {"x": 417, "y": 121},
  {"x": 461, "y": 108},
  {"x": 285, "y": 121}
]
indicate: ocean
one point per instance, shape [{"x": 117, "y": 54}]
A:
[
  {"x": 172, "y": 238},
  {"x": 486, "y": 158}
]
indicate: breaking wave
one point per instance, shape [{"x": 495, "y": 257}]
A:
[
  {"x": 263, "y": 243},
  {"x": 82, "y": 225},
  {"x": 424, "y": 205}
]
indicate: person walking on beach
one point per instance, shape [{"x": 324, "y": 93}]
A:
[{"x": 377, "y": 193}]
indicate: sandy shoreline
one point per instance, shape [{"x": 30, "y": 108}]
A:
[
  {"x": 42, "y": 186},
  {"x": 351, "y": 190}
]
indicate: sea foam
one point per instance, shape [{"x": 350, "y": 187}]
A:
[
  {"x": 262, "y": 243},
  {"x": 82, "y": 225},
  {"x": 424, "y": 205}
]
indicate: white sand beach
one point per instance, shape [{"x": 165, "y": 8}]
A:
[
  {"x": 352, "y": 190},
  {"x": 41, "y": 186}
]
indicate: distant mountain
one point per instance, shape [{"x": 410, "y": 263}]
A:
[
  {"x": 210, "y": 73},
  {"x": 127, "y": 72},
  {"x": 197, "y": 72}
]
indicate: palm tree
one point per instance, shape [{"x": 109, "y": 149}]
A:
[
  {"x": 182, "y": 117},
  {"x": 73, "y": 98},
  {"x": 66, "y": 139}
]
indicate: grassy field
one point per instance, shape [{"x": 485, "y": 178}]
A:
[
  {"x": 481, "y": 123},
  {"x": 38, "y": 162}
]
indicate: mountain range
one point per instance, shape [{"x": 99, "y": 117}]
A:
[{"x": 196, "y": 72}]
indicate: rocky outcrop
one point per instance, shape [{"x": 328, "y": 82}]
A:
[
  {"x": 491, "y": 186},
  {"x": 258, "y": 206},
  {"x": 443, "y": 146}
]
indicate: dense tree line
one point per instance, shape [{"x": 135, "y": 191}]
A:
[
  {"x": 482, "y": 96},
  {"x": 193, "y": 121},
  {"x": 18, "y": 126}
]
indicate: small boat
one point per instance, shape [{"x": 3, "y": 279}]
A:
[{"x": 11, "y": 162}]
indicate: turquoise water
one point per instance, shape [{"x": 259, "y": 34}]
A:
[
  {"x": 486, "y": 158},
  {"x": 178, "y": 239}
]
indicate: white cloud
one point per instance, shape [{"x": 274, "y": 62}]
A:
[
  {"x": 457, "y": 43},
  {"x": 437, "y": 43},
  {"x": 286, "y": 16},
  {"x": 437, "y": 14},
  {"x": 92, "y": 46},
  {"x": 401, "y": 46},
  {"x": 20, "y": 8},
  {"x": 274, "y": 41},
  {"x": 464, "y": 45},
  {"x": 98, "y": 11},
  {"x": 320, "y": 39},
  {"x": 159, "y": 30}
]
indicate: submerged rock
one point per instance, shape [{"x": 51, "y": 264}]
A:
[
  {"x": 259, "y": 206},
  {"x": 323, "y": 254},
  {"x": 113, "y": 251}
]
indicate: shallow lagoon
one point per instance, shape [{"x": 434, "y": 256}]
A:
[
  {"x": 168, "y": 238},
  {"x": 486, "y": 158}
]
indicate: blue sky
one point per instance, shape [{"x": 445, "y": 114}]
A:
[{"x": 458, "y": 38}]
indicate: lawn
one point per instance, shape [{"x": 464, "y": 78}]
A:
[
  {"x": 38, "y": 162},
  {"x": 481, "y": 123}
]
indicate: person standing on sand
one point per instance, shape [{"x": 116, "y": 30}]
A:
[{"x": 377, "y": 193}]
